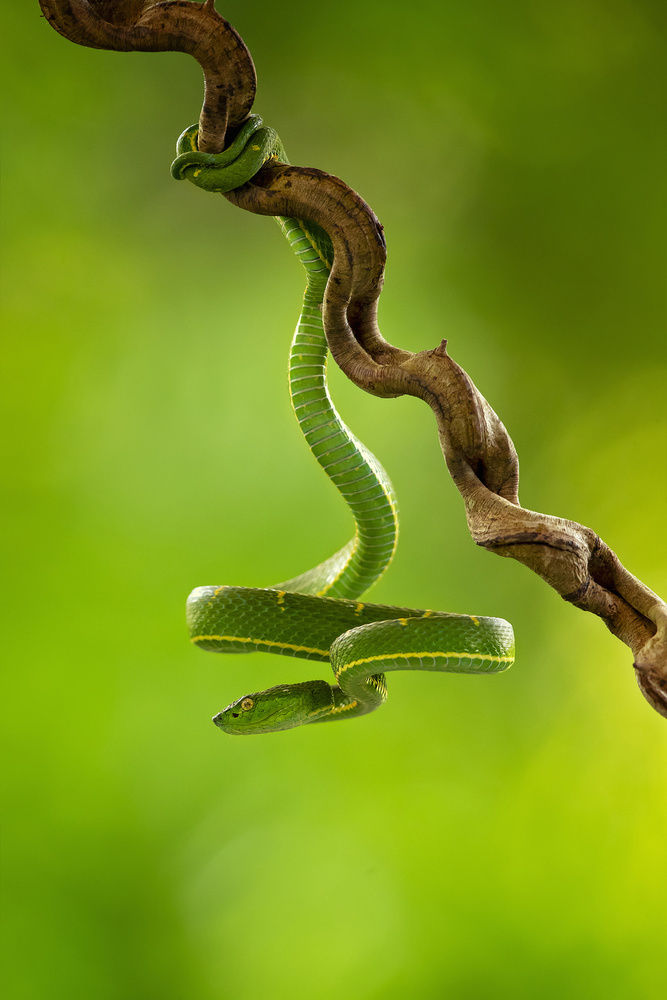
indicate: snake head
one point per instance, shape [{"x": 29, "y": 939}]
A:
[{"x": 278, "y": 708}]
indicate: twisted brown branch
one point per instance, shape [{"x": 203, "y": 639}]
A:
[
  {"x": 478, "y": 450},
  {"x": 174, "y": 25}
]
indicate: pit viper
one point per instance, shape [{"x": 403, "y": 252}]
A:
[{"x": 319, "y": 615}]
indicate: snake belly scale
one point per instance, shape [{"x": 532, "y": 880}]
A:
[{"x": 318, "y": 615}]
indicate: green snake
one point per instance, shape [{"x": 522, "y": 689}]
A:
[{"x": 318, "y": 615}]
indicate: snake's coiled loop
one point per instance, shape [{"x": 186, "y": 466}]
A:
[{"x": 253, "y": 145}]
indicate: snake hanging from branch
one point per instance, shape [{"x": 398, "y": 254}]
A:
[
  {"x": 340, "y": 242},
  {"x": 318, "y": 615}
]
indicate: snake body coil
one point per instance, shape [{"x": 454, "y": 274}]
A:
[{"x": 317, "y": 615}]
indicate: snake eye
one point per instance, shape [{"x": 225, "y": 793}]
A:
[{"x": 247, "y": 704}]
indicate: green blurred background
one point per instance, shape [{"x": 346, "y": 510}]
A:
[{"x": 478, "y": 837}]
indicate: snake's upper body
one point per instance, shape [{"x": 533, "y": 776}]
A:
[
  {"x": 361, "y": 641},
  {"x": 318, "y": 615}
]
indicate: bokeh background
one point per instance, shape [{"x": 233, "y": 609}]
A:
[{"x": 478, "y": 837}]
